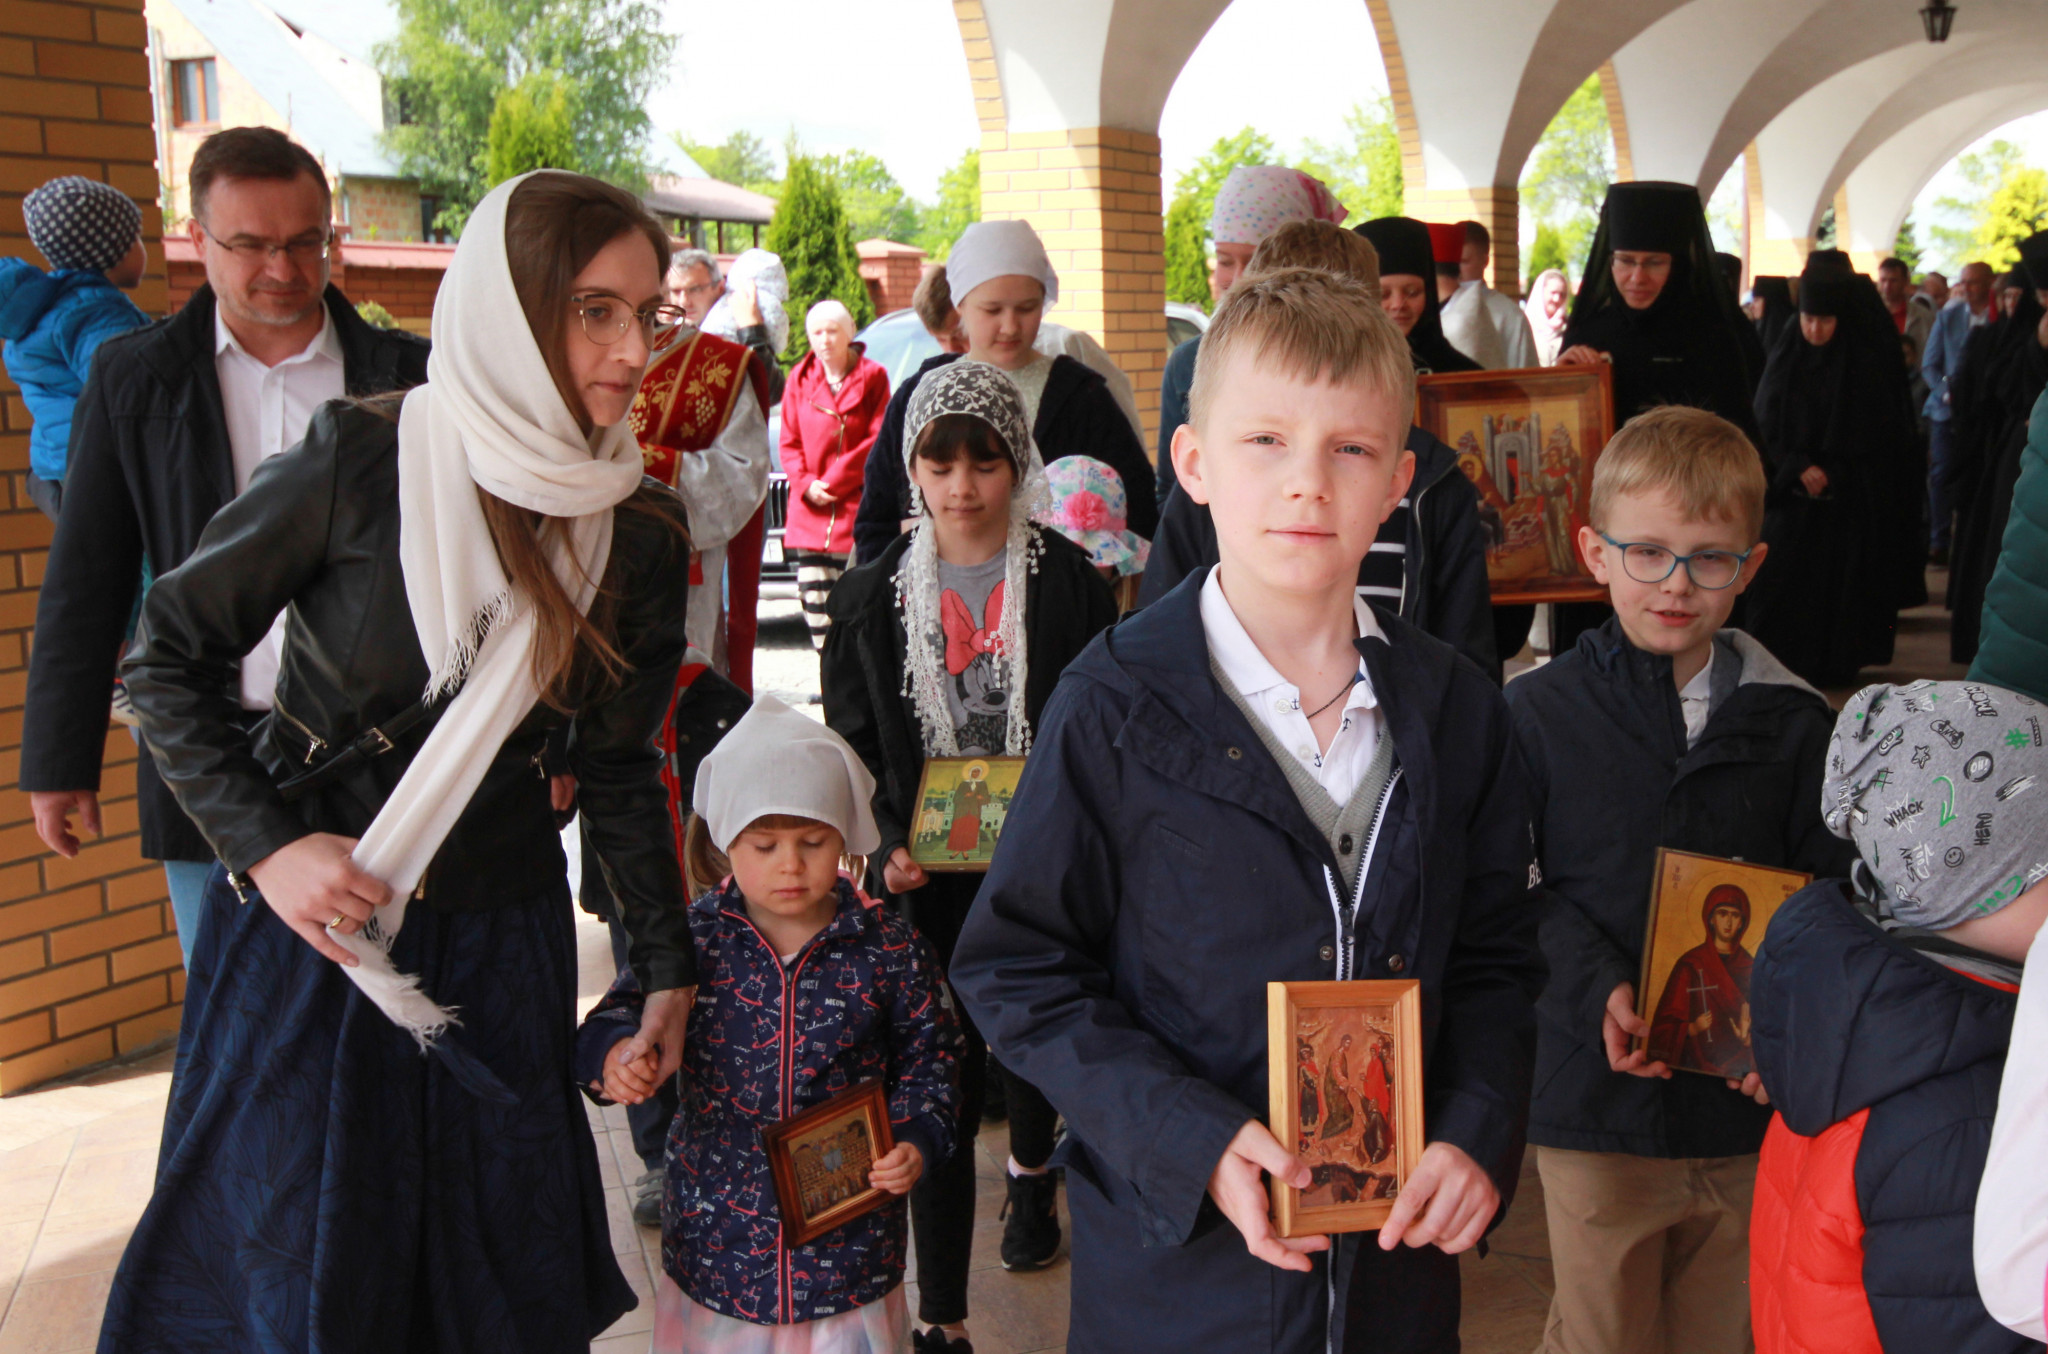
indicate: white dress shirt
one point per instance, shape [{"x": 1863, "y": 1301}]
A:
[
  {"x": 1277, "y": 702},
  {"x": 267, "y": 411},
  {"x": 1696, "y": 700}
]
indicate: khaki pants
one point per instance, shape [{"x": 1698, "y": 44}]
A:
[{"x": 1651, "y": 1256}]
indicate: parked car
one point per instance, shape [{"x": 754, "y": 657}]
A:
[{"x": 900, "y": 343}]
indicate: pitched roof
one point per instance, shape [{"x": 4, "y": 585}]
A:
[
  {"x": 706, "y": 199},
  {"x": 294, "y": 74}
]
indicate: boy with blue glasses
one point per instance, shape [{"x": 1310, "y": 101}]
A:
[{"x": 1660, "y": 728}]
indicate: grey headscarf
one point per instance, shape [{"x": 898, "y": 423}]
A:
[
  {"x": 1941, "y": 787},
  {"x": 81, "y": 223}
]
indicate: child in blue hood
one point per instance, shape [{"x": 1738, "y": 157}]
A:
[{"x": 53, "y": 322}]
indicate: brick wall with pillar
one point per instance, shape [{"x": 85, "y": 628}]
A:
[
  {"x": 1093, "y": 194},
  {"x": 1498, "y": 209},
  {"x": 88, "y": 962}
]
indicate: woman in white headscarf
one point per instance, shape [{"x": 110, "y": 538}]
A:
[
  {"x": 1549, "y": 306},
  {"x": 372, "y": 1141}
]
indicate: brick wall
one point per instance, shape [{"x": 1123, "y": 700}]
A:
[
  {"x": 892, "y": 272},
  {"x": 88, "y": 964},
  {"x": 380, "y": 209}
]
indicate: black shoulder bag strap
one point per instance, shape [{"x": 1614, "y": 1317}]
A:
[{"x": 364, "y": 748}]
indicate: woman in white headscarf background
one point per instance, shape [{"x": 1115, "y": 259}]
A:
[
  {"x": 1001, "y": 281},
  {"x": 372, "y": 1142},
  {"x": 1549, "y": 308}
]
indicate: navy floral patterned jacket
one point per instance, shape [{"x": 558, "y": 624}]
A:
[{"x": 864, "y": 1001}]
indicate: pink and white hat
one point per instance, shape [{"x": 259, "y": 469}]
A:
[{"x": 1090, "y": 509}]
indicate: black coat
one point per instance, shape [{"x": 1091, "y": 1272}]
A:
[
  {"x": 1065, "y": 604},
  {"x": 1444, "y": 591},
  {"x": 1156, "y": 872},
  {"x": 317, "y": 531},
  {"x": 1611, "y": 778},
  {"x": 1077, "y": 416},
  {"x": 149, "y": 467},
  {"x": 1849, "y": 1019}
]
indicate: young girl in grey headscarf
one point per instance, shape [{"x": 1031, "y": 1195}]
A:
[{"x": 948, "y": 645}]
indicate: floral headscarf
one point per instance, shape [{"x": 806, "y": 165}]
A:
[
  {"x": 1257, "y": 200},
  {"x": 1090, "y": 509}
]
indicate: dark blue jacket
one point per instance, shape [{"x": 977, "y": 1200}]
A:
[
  {"x": 1846, "y": 1019},
  {"x": 1443, "y": 581},
  {"x": 1603, "y": 737},
  {"x": 1156, "y": 872},
  {"x": 53, "y": 323},
  {"x": 863, "y": 1002}
]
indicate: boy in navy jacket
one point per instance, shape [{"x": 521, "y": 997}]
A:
[
  {"x": 1659, "y": 728},
  {"x": 1262, "y": 778}
]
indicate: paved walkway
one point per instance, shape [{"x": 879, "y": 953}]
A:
[{"x": 77, "y": 1160}]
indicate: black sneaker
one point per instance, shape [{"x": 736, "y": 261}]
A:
[
  {"x": 1031, "y": 1222},
  {"x": 936, "y": 1341},
  {"x": 647, "y": 1199}
]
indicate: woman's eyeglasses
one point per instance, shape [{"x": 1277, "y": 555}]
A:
[
  {"x": 605, "y": 318},
  {"x": 1709, "y": 569}
]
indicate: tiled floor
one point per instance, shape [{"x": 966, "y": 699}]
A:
[{"x": 76, "y": 1162}]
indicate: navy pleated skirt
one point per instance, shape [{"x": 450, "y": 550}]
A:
[{"x": 324, "y": 1188}]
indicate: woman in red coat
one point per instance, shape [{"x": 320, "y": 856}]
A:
[{"x": 831, "y": 411}]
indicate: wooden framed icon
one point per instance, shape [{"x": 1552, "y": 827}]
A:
[
  {"x": 961, "y": 805},
  {"x": 1527, "y": 440},
  {"x": 1706, "y": 917},
  {"x": 1345, "y": 1065},
  {"x": 821, "y": 1158}
]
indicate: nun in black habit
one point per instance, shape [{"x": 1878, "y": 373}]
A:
[
  {"x": 1408, "y": 291},
  {"x": 1841, "y": 517},
  {"x": 1654, "y": 304},
  {"x": 1993, "y": 394},
  {"x": 1773, "y": 311}
]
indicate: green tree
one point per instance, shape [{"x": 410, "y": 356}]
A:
[
  {"x": 1364, "y": 168},
  {"x": 1982, "y": 172},
  {"x": 533, "y": 126},
  {"x": 2016, "y": 209},
  {"x": 958, "y": 207},
  {"x": 1906, "y": 246},
  {"x": 1546, "y": 251},
  {"x": 1187, "y": 270},
  {"x": 742, "y": 159},
  {"x": 452, "y": 59},
  {"x": 810, "y": 233},
  {"x": 1194, "y": 196},
  {"x": 1568, "y": 172},
  {"x": 1824, "y": 234},
  {"x": 876, "y": 206}
]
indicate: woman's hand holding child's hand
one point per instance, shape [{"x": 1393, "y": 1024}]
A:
[
  {"x": 629, "y": 1081},
  {"x": 901, "y": 873},
  {"x": 897, "y": 1171},
  {"x": 1619, "y": 1026}
]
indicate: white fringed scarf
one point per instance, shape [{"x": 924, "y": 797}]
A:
[
  {"x": 489, "y": 418},
  {"x": 986, "y": 393}
]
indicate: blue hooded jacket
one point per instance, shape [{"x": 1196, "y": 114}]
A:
[{"x": 52, "y": 324}]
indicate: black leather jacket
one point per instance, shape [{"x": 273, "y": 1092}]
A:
[{"x": 317, "y": 531}]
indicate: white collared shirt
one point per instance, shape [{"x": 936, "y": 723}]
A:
[
  {"x": 1696, "y": 700},
  {"x": 267, "y": 411},
  {"x": 1277, "y": 702}
]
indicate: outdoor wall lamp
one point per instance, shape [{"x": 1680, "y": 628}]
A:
[{"x": 1936, "y": 18}]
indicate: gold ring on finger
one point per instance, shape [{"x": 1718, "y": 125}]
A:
[{"x": 336, "y": 924}]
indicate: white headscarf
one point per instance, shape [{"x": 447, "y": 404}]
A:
[
  {"x": 491, "y": 418},
  {"x": 771, "y": 294},
  {"x": 776, "y": 760},
  {"x": 985, "y": 392},
  {"x": 992, "y": 249}
]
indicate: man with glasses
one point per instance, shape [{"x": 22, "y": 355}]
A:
[
  {"x": 1662, "y": 728},
  {"x": 172, "y": 424}
]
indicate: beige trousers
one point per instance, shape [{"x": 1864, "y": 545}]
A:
[{"x": 1651, "y": 1256}]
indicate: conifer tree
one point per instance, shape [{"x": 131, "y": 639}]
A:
[{"x": 810, "y": 233}]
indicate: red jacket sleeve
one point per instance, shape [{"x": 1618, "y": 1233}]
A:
[
  {"x": 795, "y": 404},
  {"x": 843, "y": 476}
]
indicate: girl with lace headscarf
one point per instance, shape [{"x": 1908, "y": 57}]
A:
[{"x": 949, "y": 645}]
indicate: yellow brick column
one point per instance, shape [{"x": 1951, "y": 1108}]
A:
[
  {"x": 88, "y": 965},
  {"x": 1498, "y": 209},
  {"x": 1094, "y": 196}
]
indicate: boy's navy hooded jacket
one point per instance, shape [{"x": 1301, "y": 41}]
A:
[
  {"x": 1611, "y": 780},
  {"x": 1156, "y": 872},
  {"x": 52, "y": 324},
  {"x": 1443, "y": 582},
  {"x": 863, "y": 1001},
  {"x": 1884, "y": 1065}
]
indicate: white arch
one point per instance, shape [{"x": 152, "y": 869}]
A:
[
  {"x": 1092, "y": 63},
  {"x": 1882, "y": 188}
]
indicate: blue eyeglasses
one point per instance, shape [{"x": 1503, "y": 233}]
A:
[{"x": 1710, "y": 569}]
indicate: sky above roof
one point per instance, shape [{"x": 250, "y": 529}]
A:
[{"x": 894, "y": 83}]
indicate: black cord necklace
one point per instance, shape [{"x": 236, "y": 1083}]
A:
[{"x": 1334, "y": 699}]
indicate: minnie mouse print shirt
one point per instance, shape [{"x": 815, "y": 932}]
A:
[{"x": 977, "y": 676}]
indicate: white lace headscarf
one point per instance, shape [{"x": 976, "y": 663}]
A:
[{"x": 984, "y": 392}]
